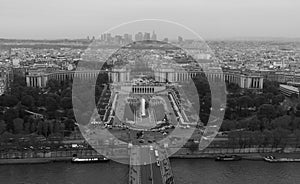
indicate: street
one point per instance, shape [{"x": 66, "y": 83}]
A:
[{"x": 150, "y": 173}]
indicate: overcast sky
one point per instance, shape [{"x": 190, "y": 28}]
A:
[{"x": 41, "y": 19}]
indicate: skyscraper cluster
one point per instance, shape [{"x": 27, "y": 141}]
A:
[
  {"x": 145, "y": 36},
  {"x": 127, "y": 38}
]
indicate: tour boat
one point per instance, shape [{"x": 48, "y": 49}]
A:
[
  {"x": 273, "y": 159},
  {"x": 228, "y": 158},
  {"x": 88, "y": 160}
]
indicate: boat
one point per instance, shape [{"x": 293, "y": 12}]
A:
[
  {"x": 89, "y": 160},
  {"x": 228, "y": 158},
  {"x": 272, "y": 159}
]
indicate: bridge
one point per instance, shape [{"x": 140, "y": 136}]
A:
[{"x": 149, "y": 166}]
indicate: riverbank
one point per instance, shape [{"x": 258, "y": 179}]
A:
[
  {"x": 244, "y": 156},
  {"x": 248, "y": 156},
  {"x": 34, "y": 160}
]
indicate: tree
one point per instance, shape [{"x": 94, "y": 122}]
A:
[
  {"x": 266, "y": 111},
  {"x": 269, "y": 97},
  {"x": 53, "y": 85},
  {"x": 281, "y": 122},
  {"x": 233, "y": 88},
  {"x": 2, "y": 126},
  {"x": 70, "y": 114},
  {"x": 40, "y": 127},
  {"x": 34, "y": 92},
  {"x": 259, "y": 100},
  {"x": 9, "y": 116},
  {"x": 231, "y": 103},
  {"x": 271, "y": 87},
  {"x": 68, "y": 92},
  {"x": 51, "y": 126},
  {"x": 45, "y": 128},
  {"x": 258, "y": 138},
  {"x": 228, "y": 125},
  {"x": 278, "y": 99},
  {"x": 297, "y": 110},
  {"x": 10, "y": 100},
  {"x": 268, "y": 137},
  {"x": 1, "y": 100},
  {"x": 193, "y": 146},
  {"x": 33, "y": 124},
  {"x": 69, "y": 124},
  {"x": 244, "y": 103},
  {"x": 297, "y": 135},
  {"x": 28, "y": 101},
  {"x": 66, "y": 103},
  {"x": 19, "y": 81},
  {"x": 279, "y": 134},
  {"x": 233, "y": 139},
  {"x": 6, "y": 136},
  {"x": 18, "y": 125},
  {"x": 280, "y": 111},
  {"x": 58, "y": 127},
  {"x": 254, "y": 124},
  {"x": 243, "y": 124},
  {"x": 51, "y": 104},
  {"x": 27, "y": 127}
]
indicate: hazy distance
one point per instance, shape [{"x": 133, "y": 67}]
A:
[{"x": 41, "y": 19}]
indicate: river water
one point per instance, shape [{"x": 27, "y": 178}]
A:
[{"x": 191, "y": 171}]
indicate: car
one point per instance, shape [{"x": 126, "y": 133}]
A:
[
  {"x": 66, "y": 146},
  {"x": 157, "y": 163},
  {"x": 151, "y": 147},
  {"x": 171, "y": 126},
  {"x": 141, "y": 141},
  {"x": 156, "y": 153}
]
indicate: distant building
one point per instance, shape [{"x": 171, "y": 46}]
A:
[
  {"x": 146, "y": 36},
  {"x": 106, "y": 37},
  {"x": 2, "y": 85},
  {"x": 139, "y": 36},
  {"x": 289, "y": 90},
  {"x": 245, "y": 79},
  {"x": 180, "y": 39},
  {"x": 19, "y": 71},
  {"x": 6, "y": 77},
  {"x": 281, "y": 76},
  {"x": 154, "y": 36},
  {"x": 127, "y": 38},
  {"x": 165, "y": 40},
  {"x": 16, "y": 62},
  {"x": 118, "y": 39},
  {"x": 40, "y": 79}
]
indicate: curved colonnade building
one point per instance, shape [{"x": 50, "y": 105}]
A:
[{"x": 245, "y": 80}]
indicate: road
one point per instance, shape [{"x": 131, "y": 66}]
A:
[{"x": 150, "y": 173}]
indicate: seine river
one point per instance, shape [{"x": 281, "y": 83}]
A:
[{"x": 191, "y": 171}]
